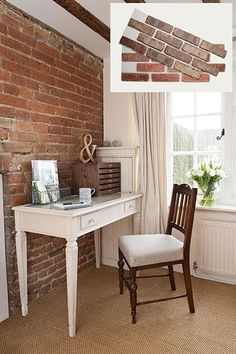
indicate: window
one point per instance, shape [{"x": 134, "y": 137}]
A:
[{"x": 195, "y": 120}]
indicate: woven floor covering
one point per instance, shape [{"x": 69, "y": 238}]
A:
[{"x": 104, "y": 321}]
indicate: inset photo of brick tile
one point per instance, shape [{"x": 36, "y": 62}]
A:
[{"x": 155, "y": 49}]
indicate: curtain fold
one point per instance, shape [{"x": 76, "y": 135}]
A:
[{"x": 149, "y": 112}]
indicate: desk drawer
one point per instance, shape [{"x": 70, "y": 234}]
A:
[
  {"x": 89, "y": 220},
  {"x": 131, "y": 207},
  {"x": 98, "y": 219}
]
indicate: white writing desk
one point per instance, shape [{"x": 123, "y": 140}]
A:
[{"x": 68, "y": 224}]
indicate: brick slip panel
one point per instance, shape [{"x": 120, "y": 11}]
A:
[
  {"x": 51, "y": 93},
  {"x": 182, "y": 52}
]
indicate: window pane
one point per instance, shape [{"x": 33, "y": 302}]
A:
[
  {"x": 183, "y": 134},
  {"x": 182, "y": 104},
  {"x": 208, "y": 128},
  {"x": 181, "y": 165},
  {"x": 208, "y": 102},
  {"x": 216, "y": 157}
]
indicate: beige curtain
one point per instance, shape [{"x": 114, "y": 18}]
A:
[{"x": 149, "y": 113}]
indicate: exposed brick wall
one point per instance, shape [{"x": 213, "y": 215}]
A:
[{"x": 50, "y": 95}]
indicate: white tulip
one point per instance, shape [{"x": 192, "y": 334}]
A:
[
  {"x": 200, "y": 173},
  {"x": 212, "y": 172}
]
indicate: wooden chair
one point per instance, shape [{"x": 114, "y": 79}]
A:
[{"x": 151, "y": 251}]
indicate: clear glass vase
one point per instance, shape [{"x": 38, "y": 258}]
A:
[{"x": 208, "y": 199}]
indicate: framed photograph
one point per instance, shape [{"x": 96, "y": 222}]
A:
[{"x": 45, "y": 183}]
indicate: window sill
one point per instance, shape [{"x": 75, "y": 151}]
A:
[{"x": 219, "y": 208}]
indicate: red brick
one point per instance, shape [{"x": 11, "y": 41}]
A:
[
  {"x": 60, "y": 73},
  {"x": 11, "y": 89},
  {"x": 54, "y": 53},
  {"x": 134, "y": 57},
  {"x": 40, "y": 107},
  {"x": 22, "y": 37},
  {"x": 89, "y": 70},
  {"x": 220, "y": 67},
  {"x": 159, "y": 24},
  {"x": 18, "y": 80},
  {"x": 134, "y": 77},
  {"x": 213, "y": 48},
  {"x": 150, "y": 42},
  {"x": 15, "y": 68},
  {"x": 186, "y": 36},
  {"x": 161, "y": 58},
  {"x": 38, "y": 117},
  {"x": 14, "y": 44},
  {"x": 38, "y": 76},
  {"x": 7, "y": 111},
  {"x": 39, "y": 127},
  {"x": 16, "y": 177},
  {"x": 203, "y": 78},
  {"x": 178, "y": 54},
  {"x": 150, "y": 67},
  {"x": 43, "y": 57},
  {"x": 13, "y": 101},
  {"x": 22, "y": 114},
  {"x": 188, "y": 70},
  {"x": 43, "y": 265},
  {"x": 46, "y": 98},
  {"x": 168, "y": 39},
  {"x": 165, "y": 77},
  {"x": 3, "y": 28},
  {"x": 201, "y": 54},
  {"x": 22, "y": 126},
  {"x": 142, "y": 27},
  {"x": 26, "y": 93},
  {"x": 26, "y": 137},
  {"x": 3, "y": 134},
  {"x": 4, "y": 75},
  {"x": 65, "y": 85},
  {"x": 137, "y": 47},
  {"x": 64, "y": 66},
  {"x": 205, "y": 67},
  {"x": 8, "y": 20}
]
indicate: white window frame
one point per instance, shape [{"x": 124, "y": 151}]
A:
[{"x": 227, "y": 194}]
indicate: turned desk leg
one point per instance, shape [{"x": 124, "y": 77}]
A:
[
  {"x": 21, "y": 253},
  {"x": 97, "y": 243},
  {"x": 71, "y": 275}
]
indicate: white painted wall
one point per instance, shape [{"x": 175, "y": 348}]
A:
[
  {"x": 4, "y": 311},
  {"x": 118, "y": 113}
]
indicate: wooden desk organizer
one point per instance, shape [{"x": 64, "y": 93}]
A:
[{"x": 104, "y": 177}]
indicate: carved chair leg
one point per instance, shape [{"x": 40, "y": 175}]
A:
[
  {"x": 133, "y": 294},
  {"x": 188, "y": 285},
  {"x": 172, "y": 279},
  {"x": 121, "y": 272}
]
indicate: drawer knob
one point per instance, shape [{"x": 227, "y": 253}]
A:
[
  {"x": 91, "y": 221},
  {"x": 131, "y": 206}
]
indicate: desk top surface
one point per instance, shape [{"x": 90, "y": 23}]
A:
[{"x": 98, "y": 203}]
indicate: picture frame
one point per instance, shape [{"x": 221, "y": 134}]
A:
[{"x": 45, "y": 182}]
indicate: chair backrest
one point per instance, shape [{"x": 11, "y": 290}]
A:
[{"x": 182, "y": 210}]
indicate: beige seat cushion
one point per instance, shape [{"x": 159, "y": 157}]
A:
[{"x": 141, "y": 250}]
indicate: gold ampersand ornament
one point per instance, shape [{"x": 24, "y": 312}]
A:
[{"x": 86, "y": 150}]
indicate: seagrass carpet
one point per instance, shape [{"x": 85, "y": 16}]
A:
[{"x": 104, "y": 321}]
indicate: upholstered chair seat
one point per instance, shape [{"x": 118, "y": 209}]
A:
[{"x": 140, "y": 250}]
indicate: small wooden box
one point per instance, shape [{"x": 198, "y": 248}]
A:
[{"x": 104, "y": 177}]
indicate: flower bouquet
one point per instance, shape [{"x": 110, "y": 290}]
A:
[{"x": 207, "y": 175}]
